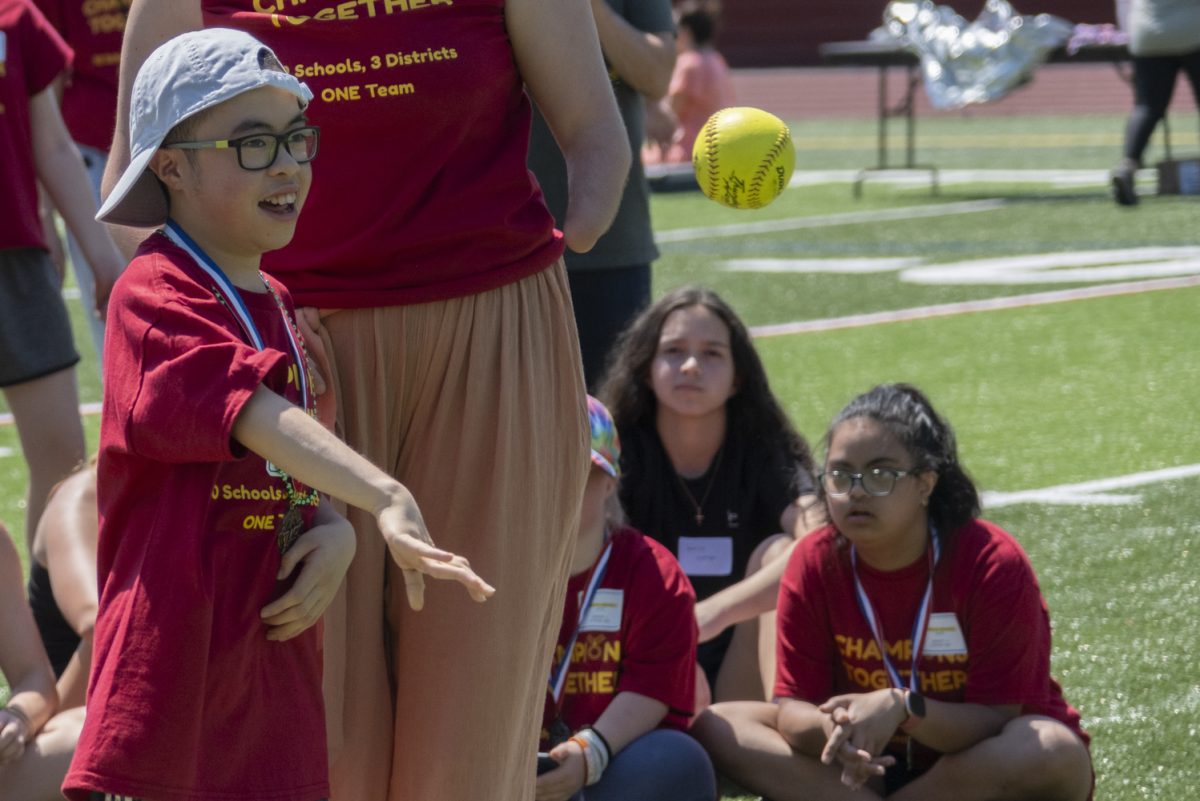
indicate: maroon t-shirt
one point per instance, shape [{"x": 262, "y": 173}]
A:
[
  {"x": 94, "y": 31},
  {"x": 639, "y": 636},
  {"x": 188, "y": 699},
  {"x": 988, "y": 640},
  {"x": 32, "y": 55},
  {"x": 421, "y": 191}
]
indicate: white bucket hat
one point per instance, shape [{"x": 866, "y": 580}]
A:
[{"x": 184, "y": 76}]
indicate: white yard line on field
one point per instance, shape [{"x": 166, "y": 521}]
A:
[
  {"x": 1091, "y": 492},
  {"x": 828, "y": 220},
  {"x": 901, "y": 315},
  {"x": 920, "y": 178},
  {"x": 971, "y": 306}
]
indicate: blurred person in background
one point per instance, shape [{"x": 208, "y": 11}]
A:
[
  {"x": 1164, "y": 40},
  {"x": 700, "y": 86},
  {"x": 610, "y": 283}
]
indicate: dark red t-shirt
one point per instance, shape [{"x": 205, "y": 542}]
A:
[
  {"x": 988, "y": 640},
  {"x": 639, "y": 636},
  {"x": 32, "y": 55},
  {"x": 421, "y": 191},
  {"x": 94, "y": 31},
  {"x": 188, "y": 699}
]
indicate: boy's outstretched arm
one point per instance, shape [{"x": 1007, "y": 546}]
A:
[{"x": 279, "y": 431}]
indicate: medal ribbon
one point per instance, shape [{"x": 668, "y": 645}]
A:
[
  {"x": 292, "y": 524},
  {"x": 920, "y": 624},
  {"x": 181, "y": 240},
  {"x": 558, "y": 676}
]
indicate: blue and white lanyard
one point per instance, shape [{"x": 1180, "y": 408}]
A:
[
  {"x": 920, "y": 624},
  {"x": 180, "y": 238},
  {"x": 558, "y": 677}
]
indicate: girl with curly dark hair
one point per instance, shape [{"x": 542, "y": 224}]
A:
[{"x": 714, "y": 470}]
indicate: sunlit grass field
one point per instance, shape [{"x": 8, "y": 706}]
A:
[{"x": 1041, "y": 395}]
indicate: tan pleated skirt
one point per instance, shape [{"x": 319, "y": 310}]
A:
[{"x": 477, "y": 405}]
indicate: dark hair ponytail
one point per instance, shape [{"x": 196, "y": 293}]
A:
[{"x": 905, "y": 411}]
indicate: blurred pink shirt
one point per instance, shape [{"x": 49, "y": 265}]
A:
[{"x": 700, "y": 86}]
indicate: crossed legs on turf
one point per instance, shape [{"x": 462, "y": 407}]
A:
[{"x": 1031, "y": 758}]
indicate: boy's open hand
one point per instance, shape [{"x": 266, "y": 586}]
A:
[
  {"x": 409, "y": 543},
  {"x": 324, "y": 553}
]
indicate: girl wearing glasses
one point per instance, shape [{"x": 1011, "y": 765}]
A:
[
  {"x": 914, "y": 643},
  {"x": 714, "y": 471}
]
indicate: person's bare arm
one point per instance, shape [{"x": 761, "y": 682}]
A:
[
  {"x": 641, "y": 59},
  {"x": 72, "y": 684},
  {"x": 54, "y": 243},
  {"x": 320, "y": 558},
  {"x": 23, "y": 662},
  {"x": 758, "y": 592},
  {"x": 68, "y": 531},
  {"x": 748, "y": 598},
  {"x": 150, "y": 23},
  {"x": 283, "y": 433},
  {"x": 629, "y": 716},
  {"x": 803, "y": 726},
  {"x": 863, "y": 723},
  {"x": 60, "y": 170},
  {"x": 558, "y": 53},
  {"x": 58, "y": 251}
]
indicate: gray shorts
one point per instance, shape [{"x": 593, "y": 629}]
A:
[{"x": 35, "y": 333}]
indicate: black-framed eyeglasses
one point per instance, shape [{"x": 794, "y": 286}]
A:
[
  {"x": 259, "y": 151},
  {"x": 878, "y": 481}
]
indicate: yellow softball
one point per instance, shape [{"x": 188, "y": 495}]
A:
[{"x": 743, "y": 157}]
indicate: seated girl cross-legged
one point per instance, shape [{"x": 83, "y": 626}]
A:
[{"x": 914, "y": 642}]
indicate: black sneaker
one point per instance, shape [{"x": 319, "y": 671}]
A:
[{"x": 1122, "y": 186}]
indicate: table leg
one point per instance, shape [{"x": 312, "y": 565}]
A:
[
  {"x": 882, "y": 111},
  {"x": 907, "y": 109}
]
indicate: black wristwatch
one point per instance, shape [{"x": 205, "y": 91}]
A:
[{"x": 914, "y": 705}]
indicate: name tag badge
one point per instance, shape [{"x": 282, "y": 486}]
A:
[
  {"x": 944, "y": 637},
  {"x": 706, "y": 556},
  {"x": 605, "y": 613}
]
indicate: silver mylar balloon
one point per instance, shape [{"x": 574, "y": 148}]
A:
[{"x": 964, "y": 63}]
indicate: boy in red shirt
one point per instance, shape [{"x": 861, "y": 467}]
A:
[{"x": 216, "y": 552}]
